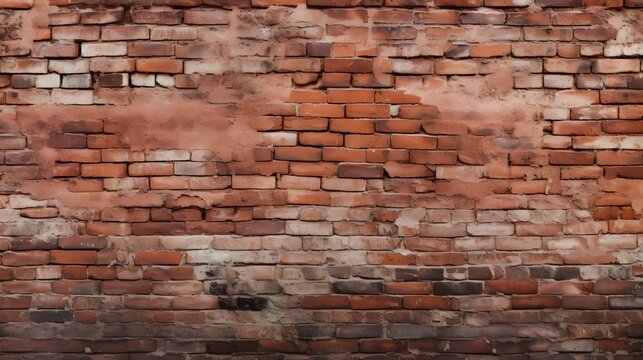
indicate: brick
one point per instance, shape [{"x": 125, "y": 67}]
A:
[
  {"x": 67, "y": 141},
  {"x": 358, "y": 287},
  {"x": 621, "y": 96},
  {"x": 548, "y": 34},
  {"x": 367, "y": 111},
  {"x": 55, "y": 50},
  {"x": 444, "y": 17},
  {"x": 350, "y": 96},
  {"x": 411, "y": 331},
  {"x": 426, "y": 302},
  {"x": 17, "y": 4},
  {"x": 394, "y": 33},
  {"x": 566, "y": 66},
  {"x": 375, "y": 302},
  {"x": 347, "y": 170},
  {"x": 71, "y": 33},
  {"x": 120, "y": 346},
  {"x": 403, "y": 66},
  {"x": 204, "y": 17},
  {"x": 73, "y": 257},
  {"x": 103, "y": 49},
  {"x": 584, "y": 302},
  {"x": 336, "y": 80},
  {"x": 321, "y": 110},
  {"x": 457, "y": 288},
  {"x": 173, "y": 33},
  {"x": 571, "y": 158},
  {"x": 159, "y": 66},
  {"x": 458, "y": 3},
  {"x": 31, "y": 66},
  {"x": 144, "y": 49},
  {"x": 157, "y": 258},
  {"x": 348, "y": 65},
  {"x": 511, "y": 287},
  {"x": 25, "y": 258},
  {"x": 325, "y": 302},
  {"x": 610, "y": 66},
  {"x": 119, "y": 33},
  {"x": 103, "y": 170}
]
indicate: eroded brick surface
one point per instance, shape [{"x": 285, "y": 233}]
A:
[{"x": 292, "y": 179}]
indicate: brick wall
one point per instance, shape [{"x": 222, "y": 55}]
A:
[{"x": 191, "y": 179}]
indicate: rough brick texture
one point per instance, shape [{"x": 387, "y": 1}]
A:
[{"x": 326, "y": 179}]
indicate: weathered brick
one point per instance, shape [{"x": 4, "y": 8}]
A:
[
  {"x": 347, "y": 170},
  {"x": 367, "y": 177}
]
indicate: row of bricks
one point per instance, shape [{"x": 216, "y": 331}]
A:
[
  {"x": 352, "y": 134},
  {"x": 345, "y": 347},
  {"x": 165, "y": 305},
  {"x": 269, "y": 202},
  {"x": 413, "y": 279},
  {"x": 331, "y": 65},
  {"x": 228, "y": 220},
  {"x": 570, "y": 257},
  {"x": 305, "y": 176},
  {"x": 102, "y": 280},
  {"x": 404, "y": 281},
  {"x": 398, "y": 16},
  {"x": 343, "y": 170},
  {"x": 392, "y": 3},
  {"x": 528, "y": 221},
  {"x": 291, "y": 173},
  {"x": 87, "y": 97},
  {"x": 330, "y": 80},
  {"x": 412, "y": 119},
  {"x": 601, "y": 213},
  {"x": 377, "y": 32},
  {"x": 457, "y": 50},
  {"x": 141, "y": 14},
  {"x": 500, "y": 327},
  {"x": 189, "y": 220}
]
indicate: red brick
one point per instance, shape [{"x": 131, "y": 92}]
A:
[
  {"x": 326, "y": 302},
  {"x": 157, "y": 258},
  {"x": 458, "y": 3},
  {"x": 350, "y": 96},
  {"x": 336, "y": 80},
  {"x": 413, "y": 142},
  {"x": 321, "y": 110},
  {"x": 150, "y": 49},
  {"x": 73, "y": 257},
  {"x": 103, "y": 170},
  {"x": 298, "y": 153},
  {"x": 427, "y": 302},
  {"x": 159, "y": 66},
  {"x": 367, "y": 111},
  {"x": 347, "y": 170},
  {"x": 352, "y": 126},
  {"x": 151, "y": 169},
  {"x": 584, "y": 302},
  {"x": 571, "y": 158},
  {"x": 25, "y": 258},
  {"x": 376, "y": 302},
  {"x": 511, "y": 287},
  {"x": 67, "y": 141},
  {"x": 348, "y": 65}
]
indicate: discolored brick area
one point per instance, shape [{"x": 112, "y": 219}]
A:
[{"x": 321, "y": 179}]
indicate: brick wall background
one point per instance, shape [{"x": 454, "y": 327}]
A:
[{"x": 377, "y": 179}]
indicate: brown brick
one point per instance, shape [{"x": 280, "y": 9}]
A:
[
  {"x": 348, "y": 65},
  {"x": 347, "y": 170}
]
